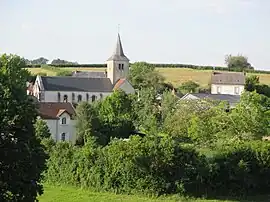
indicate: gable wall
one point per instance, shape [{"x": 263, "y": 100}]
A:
[{"x": 127, "y": 88}]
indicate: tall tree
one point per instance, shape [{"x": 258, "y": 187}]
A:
[
  {"x": 251, "y": 82},
  {"x": 144, "y": 75},
  {"x": 22, "y": 158},
  {"x": 238, "y": 62},
  {"x": 40, "y": 61},
  {"x": 88, "y": 124},
  {"x": 116, "y": 115},
  {"x": 42, "y": 130}
]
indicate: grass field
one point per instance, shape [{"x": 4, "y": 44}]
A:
[
  {"x": 176, "y": 76},
  {"x": 70, "y": 194}
]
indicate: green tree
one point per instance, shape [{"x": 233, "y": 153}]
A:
[
  {"x": 179, "y": 122},
  {"x": 168, "y": 104},
  {"x": 238, "y": 62},
  {"x": 250, "y": 119},
  {"x": 116, "y": 115},
  {"x": 42, "y": 129},
  {"x": 22, "y": 158},
  {"x": 144, "y": 75},
  {"x": 189, "y": 87},
  {"x": 87, "y": 124},
  {"x": 251, "y": 82},
  {"x": 40, "y": 61},
  {"x": 146, "y": 108}
]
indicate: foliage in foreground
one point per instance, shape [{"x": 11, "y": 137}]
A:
[
  {"x": 161, "y": 165},
  {"x": 22, "y": 158}
]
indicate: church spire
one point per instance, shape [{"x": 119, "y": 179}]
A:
[{"x": 118, "y": 53}]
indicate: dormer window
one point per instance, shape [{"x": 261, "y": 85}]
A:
[{"x": 64, "y": 121}]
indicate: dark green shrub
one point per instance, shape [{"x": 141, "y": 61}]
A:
[{"x": 240, "y": 170}]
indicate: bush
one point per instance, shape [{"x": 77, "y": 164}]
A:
[
  {"x": 149, "y": 165},
  {"x": 240, "y": 170}
]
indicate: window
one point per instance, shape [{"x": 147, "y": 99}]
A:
[
  {"x": 87, "y": 97},
  {"x": 65, "y": 98},
  {"x": 63, "y": 136},
  {"x": 93, "y": 98},
  {"x": 119, "y": 66},
  {"x": 101, "y": 96},
  {"x": 79, "y": 98},
  {"x": 73, "y": 97},
  {"x": 59, "y": 97},
  {"x": 122, "y": 66},
  {"x": 64, "y": 121},
  {"x": 236, "y": 90},
  {"x": 218, "y": 89}
]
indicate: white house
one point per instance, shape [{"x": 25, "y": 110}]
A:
[
  {"x": 86, "y": 88},
  {"x": 228, "y": 83},
  {"x": 60, "y": 120}
]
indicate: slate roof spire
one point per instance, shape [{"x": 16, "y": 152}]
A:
[{"x": 118, "y": 53}]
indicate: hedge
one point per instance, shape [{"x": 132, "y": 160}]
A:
[{"x": 162, "y": 166}]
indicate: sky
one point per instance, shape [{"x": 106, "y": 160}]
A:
[{"x": 199, "y": 32}]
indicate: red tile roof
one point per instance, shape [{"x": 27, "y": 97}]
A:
[
  {"x": 119, "y": 83},
  {"x": 52, "y": 110}
]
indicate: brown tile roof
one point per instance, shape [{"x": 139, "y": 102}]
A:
[
  {"x": 229, "y": 78},
  {"x": 119, "y": 83},
  {"x": 52, "y": 110}
]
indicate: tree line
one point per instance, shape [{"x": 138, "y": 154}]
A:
[{"x": 237, "y": 63}]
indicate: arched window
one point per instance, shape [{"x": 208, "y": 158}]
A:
[
  {"x": 64, "y": 120},
  {"x": 93, "y": 98},
  {"x": 63, "y": 136},
  {"x": 79, "y": 98},
  {"x": 65, "y": 98},
  {"x": 87, "y": 97},
  {"x": 73, "y": 97},
  {"x": 59, "y": 97}
]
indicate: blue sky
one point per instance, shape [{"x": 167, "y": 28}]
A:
[{"x": 162, "y": 31}]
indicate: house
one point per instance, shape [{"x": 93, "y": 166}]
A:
[
  {"x": 232, "y": 100},
  {"x": 229, "y": 83},
  {"x": 87, "y": 87},
  {"x": 59, "y": 117}
]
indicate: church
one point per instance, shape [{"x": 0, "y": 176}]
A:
[
  {"x": 57, "y": 96},
  {"x": 89, "y": 88}
]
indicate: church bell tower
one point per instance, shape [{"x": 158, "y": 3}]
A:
[{"x": 118, "y": 63}]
